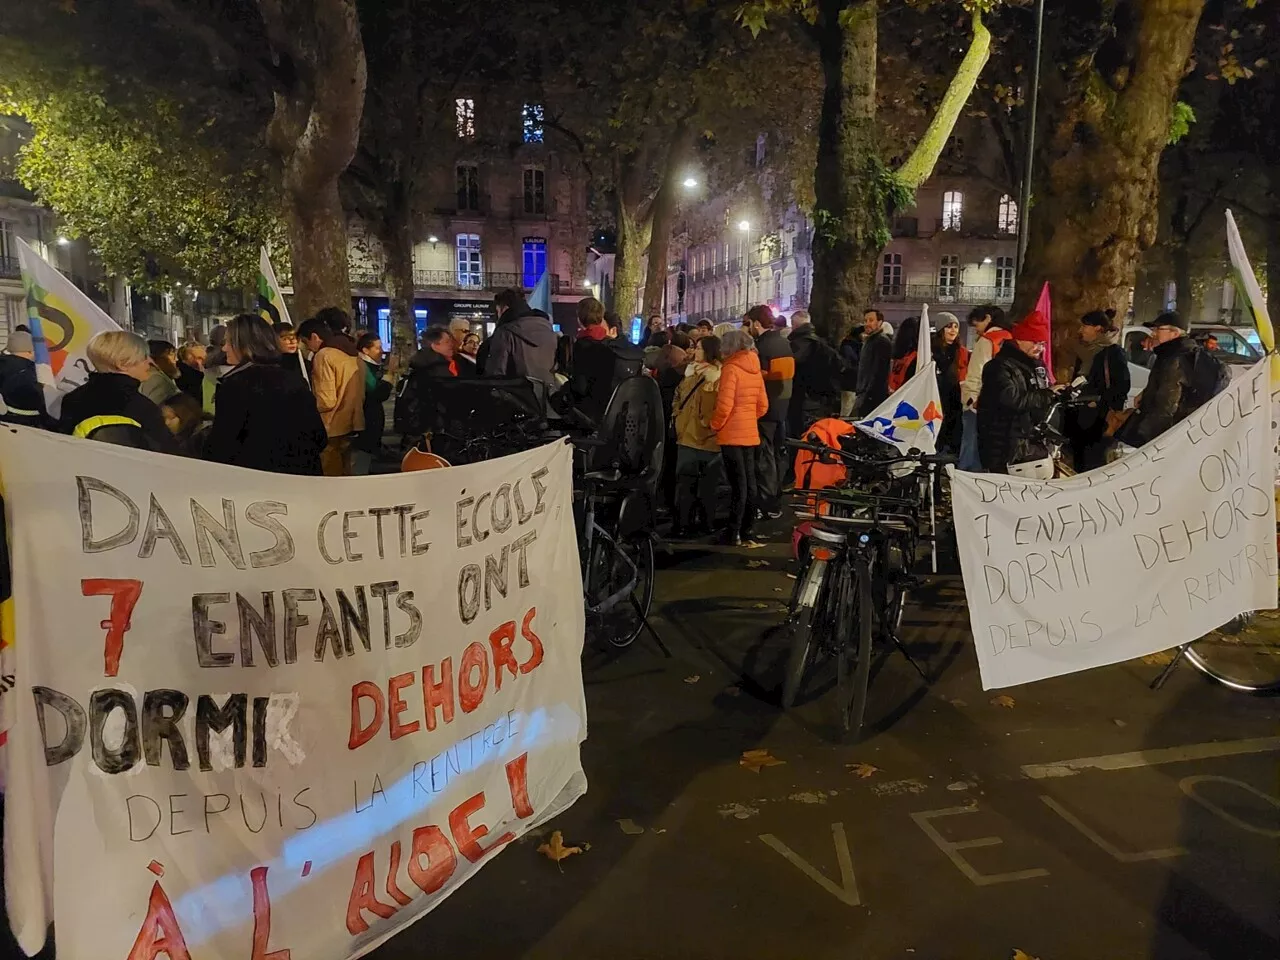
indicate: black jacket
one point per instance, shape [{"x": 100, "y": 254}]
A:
[
  {"x": 850, "y": 350},
  {"x": 266, "y": 419},
  {"x": 415, "y": 411},
  {"x": 116, "y": 395},
  {"x": 815, "y": 391},
  {"x": 191, "y": 382},
  {"x": 522, "y": 346},
  {"x": 294, "y": 364},
  {"x": 22, "y": 393},
  {"x": 1108, "y": 380},
  {"x": 1014, "y": 400},
  {"x": 1165, "y": 399},
  {"x": 778, "y": 367},
  {"x": 596, "y": 369},
  {"x": 873, "y": 371},
  {"x": 375, "y": 413}
]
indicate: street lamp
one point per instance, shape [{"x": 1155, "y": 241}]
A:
[
  {"x": 690, "y": 182},
  {"x": 63, "y": 241},
  {"x": 587, "y": 284},
  {"x": 745, "y": 227}
]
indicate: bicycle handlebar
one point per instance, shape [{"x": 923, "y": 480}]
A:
[{"x": 823, "y": 452}]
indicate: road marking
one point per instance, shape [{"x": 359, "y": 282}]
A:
[
  {"x": 952, "y": 848},
  {"x": 847, "y": 892},
  {"x": 1188, "y": 786},
  {"x": 1150, "y": 758},
  {"x": 1107, "y": 845}
]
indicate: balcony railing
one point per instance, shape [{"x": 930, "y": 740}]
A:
[
  {"x": 450, "y": 280},
  {"x": 943, "y": 293},
  {"x": 9, "y": 269}
]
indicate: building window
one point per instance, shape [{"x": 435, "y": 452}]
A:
[
  {"x": 1008, "y": 222},
  {"x": 1004, "y": 276},
  {"x": 535, "y": 190},
  {"x": 952, "y": 209},
  {"x": 470, "y": 266},
  {"x": 713, "y": 300},
  {"x": 531, "y": 118},
  {"x": 466, "y": 116},
  {"x": 777, "y": 287},
  {"x": 949, "y": 276},
  {"x": 8, "y": 251},
  {"x": 1171, "y": 295},
  {"x": 535, "y": 261},
  {"x": 468, "y": 186},
  {"x": 891, "y": 275},
  {"x": 802, "y": 285}
]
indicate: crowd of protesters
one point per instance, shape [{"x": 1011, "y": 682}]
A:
[{"x": 311, "y": 400}]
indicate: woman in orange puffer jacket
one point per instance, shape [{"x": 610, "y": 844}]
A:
[{"x": 740, "y": 404}]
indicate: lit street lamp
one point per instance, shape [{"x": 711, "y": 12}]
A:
[{"x": 690, "y": 182}]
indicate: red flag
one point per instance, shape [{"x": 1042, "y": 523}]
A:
[{"x": 1045, "y": 306}]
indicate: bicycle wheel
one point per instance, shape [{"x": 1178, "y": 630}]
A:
[
  {"x": 1243, "y": 654},
  {"x": 851, "y": 605},
  {"x": 626, "y": 566},
  {"x": 803, "y": 622}
]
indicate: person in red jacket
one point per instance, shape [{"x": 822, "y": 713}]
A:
[{"x": 741, "y": 402}]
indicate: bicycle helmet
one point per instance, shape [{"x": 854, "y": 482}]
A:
[{"x": 1041, "y": 469}]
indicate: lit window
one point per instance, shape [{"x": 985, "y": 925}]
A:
[
  {"x": 948, "y": 277},
  {"x": 470, "y": 266},
  {"x": 952, "y": 209},
  {"x": 535, "y": 261},
  {"x": 1004, "y": 277},
  {"x": 466, "y": 113},
  {"x": 531, "y": 118},
  {"x": 535, "y": 190},
  {"x": 891, "y": 275},
  {"x": 1008, "y": 222},
  {"x": 468, "y": 186}
]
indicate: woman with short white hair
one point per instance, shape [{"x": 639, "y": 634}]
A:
[{"x": 108, "y": 405}]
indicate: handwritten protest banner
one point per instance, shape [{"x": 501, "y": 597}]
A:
[
  {"x": 259, "y": 717},
  {"x": 1149, "y": 552}
]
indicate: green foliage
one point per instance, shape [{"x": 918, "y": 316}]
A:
[
  {"x": 146, "y": 177},
  {"x": 1180, "y": 122}
]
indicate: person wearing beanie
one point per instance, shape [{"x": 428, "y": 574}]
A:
[
  {"x": 992, "y": 329},
  {"x": 19, "y": 387},
  {"x": 952, "y": 359},
  {"x": 1102, "y": 362},
  {"x": 1183, "y": 376},
  {"x": 1015, "y": 397}
]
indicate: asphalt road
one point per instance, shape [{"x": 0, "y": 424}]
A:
[{"x": 969, "y": 839}]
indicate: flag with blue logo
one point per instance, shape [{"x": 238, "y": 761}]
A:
[
  {"x": 912, "y": 415},
  {"x": 540, "y": 296}
]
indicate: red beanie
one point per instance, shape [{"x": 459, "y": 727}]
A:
[{"x": 1033, "y": 327}]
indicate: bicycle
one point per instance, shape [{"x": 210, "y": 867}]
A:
[{"x": 855, "y": 574}]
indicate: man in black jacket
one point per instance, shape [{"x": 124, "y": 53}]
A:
[
  {"x": 599, "y": 364},
  {"x": 1015, "y": 397},
  {"x": 524, "y": 343},
  {"x": 850, "y": 351},
  {"x": 19, "y": 388},
  {"x": 816, "y": 391},
  {"x": 367, "y": 445},
  {"x": 1183, "y": 376},
  {"x": 874, "y": 361},
  {"x": 778, "y": 367}
]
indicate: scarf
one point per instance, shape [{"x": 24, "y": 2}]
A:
[{"x": 594, "y": 331}]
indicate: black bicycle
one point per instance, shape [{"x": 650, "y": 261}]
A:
[{"x": 857, "y": 548}]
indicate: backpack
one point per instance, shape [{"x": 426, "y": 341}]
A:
[{"x": 1207, "y": 377}]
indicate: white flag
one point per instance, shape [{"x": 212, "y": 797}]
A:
[
  {"x": 62, "y": 321},
  {"x": 912, "y": 415}
]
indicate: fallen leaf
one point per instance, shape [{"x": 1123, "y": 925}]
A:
[
  {"x": 756, "y": 564},
  {"x": 554, "y": 849},
  {"x": 754, "y": 760},
  {"x": 693, "y": 679},
  {"x": 862, "y": 770},
  {"x": 1019, "y": 955},
  {"x": 630, "y": 827},
  {"x": 1161, "y": 659},
  {"x": 760, "y": 606},
  {"x": 1004, "y": 700},
  {"x": 957, "y": 703}
]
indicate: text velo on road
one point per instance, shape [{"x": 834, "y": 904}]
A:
[
  {"x": 1151, "y": 551},
  {"x": 258, "y": 716}
]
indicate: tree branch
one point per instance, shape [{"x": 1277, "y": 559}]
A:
[
  {"x": 924, "y": 158},
  {"x": 221, "y": 47}
]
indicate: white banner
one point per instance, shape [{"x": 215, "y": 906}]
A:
[
  {"x": 1149, "y": 552},
  {"x": 261, "y": 716},
  {"x": 62, "y": 320}
]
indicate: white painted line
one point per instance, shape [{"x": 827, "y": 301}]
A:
[
  {"x": 1151, "y": 758},
  {"x": 847, "y": 892}
]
